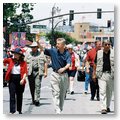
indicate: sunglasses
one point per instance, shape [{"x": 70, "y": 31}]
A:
[{"x": 107, "y": 44}]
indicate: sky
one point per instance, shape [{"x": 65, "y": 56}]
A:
[{"x": 43, "y": 10}]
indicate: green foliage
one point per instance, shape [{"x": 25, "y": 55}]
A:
[
  {"x": 9, "y": 10},
  {"x": 15, "y": 22},
  {"x": 60, "y": 35},
  {"x": 30, "y": 37}
]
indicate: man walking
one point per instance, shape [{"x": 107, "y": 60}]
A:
[
  {"x": 61, "y": 61},
  {"x": 90, "y": 59},
  {"x": 37, "y": 67},
  {"x": 104, "y": 69}
]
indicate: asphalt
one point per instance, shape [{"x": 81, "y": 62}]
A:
[{"x": 76, "y": 104}]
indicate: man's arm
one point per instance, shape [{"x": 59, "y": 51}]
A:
[
  {"x": 86, "y": 58},
  {"x": 45, "y": 69},
  {"x": 41, "y": 47},
  {"x": 68, "y": 60},
  {"x": 94, "y": 69},
  {"x": 61, "y": 70},
  {"x": 46, "y": 51}
]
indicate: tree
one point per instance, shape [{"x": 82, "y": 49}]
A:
[
  {"x": 16, "y": 22},
  {"x": 59, "y": 35},
  {"x": 9, "y": 10}
]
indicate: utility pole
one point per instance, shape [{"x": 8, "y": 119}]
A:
[
  {"x": 53, "y": 23},
  {"x": 54, "y": 10}
]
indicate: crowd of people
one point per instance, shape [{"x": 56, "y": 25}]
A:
[{"x": 97, "y": 63}]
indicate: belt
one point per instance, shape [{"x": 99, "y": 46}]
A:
[{"x": 56, "y": 71}]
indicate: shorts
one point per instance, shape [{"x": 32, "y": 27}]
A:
[{"x": 71, "y": 73}]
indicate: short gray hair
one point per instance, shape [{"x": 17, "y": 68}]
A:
[
  {"x": 62, "y": 40},
  {"x": 106, "y": 41}
]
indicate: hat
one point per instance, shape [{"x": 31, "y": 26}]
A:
[
  {"x": 34, "y": 44},
  {"x": 70, "y": 46},
  {"x": 17, "y": 51},
  {"x": 89, "y": 48}
]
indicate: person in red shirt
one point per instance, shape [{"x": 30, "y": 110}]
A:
[
  {"x": 75, "y": 65},
  {"x": 15, "y": 75},
  {"x": 90, "y": 58}
]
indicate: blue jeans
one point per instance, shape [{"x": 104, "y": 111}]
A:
[{"x": 87, "y": 81}]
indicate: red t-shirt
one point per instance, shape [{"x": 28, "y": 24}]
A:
[
  {"x": 91, "y": 56},
  {"x": 73, "y": 61}
]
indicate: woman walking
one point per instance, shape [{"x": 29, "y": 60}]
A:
[{"x": 16, "y": 74}]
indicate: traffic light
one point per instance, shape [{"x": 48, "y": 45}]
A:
[
  {"x": 99, "y": 13},
  {"x": 109, "y": 23},
  {"x": 70, "y": 23},
  {"x": 64, "y": 22},
  {"x": 71, "y": 16}
]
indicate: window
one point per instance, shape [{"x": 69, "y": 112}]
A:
[
  {"x": 98, "y": 38},
  {"x": 105, "y": 38},
  {"x": 84, "y": 36},
  {"x": 112, "y": 41}
]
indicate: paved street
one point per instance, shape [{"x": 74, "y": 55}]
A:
[{"x": 77, "y": 103}]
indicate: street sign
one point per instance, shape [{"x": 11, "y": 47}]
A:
[{"x": 39, "y": 26}]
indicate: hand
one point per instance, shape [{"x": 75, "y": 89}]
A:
[
  {"x": 37, "y": 37},
  {"x": 70, "y": 68},
  {"x": 78, "y": 68},
  {"x": 61, "y": 70},
  {"x": 37, "y": 40},
  {"x": 94, "y": 77},
  {"x": 45, "y": 75},
  {"x": 22, "y": 82},
  {"x": 82, "y": 70}
]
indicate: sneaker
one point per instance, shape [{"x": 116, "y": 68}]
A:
[
  {"x": 104, "y": 111},
  {"x": 92, "y": 99},
  {"x": 98, "y": 99},
  {"x": 20, "y": 112},
  {"x": 58, "y": 112},
  {"x": 72, "y": 93},
  {"x": 108, "y": 110},
  {"x": 37, "y": 103},
  {"x": 12, "y": 113},
  {"x": 65, "y": 96}
]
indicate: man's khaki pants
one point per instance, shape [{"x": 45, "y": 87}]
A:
[
  {"x": 106, "y": 89},
  {"x": 59, "y": 83}
]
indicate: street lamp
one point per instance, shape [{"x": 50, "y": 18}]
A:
[
  {"x": 64, "y": 20},
  {"x": 54, "y": 10},
  {"x": 52, "y": 23}
]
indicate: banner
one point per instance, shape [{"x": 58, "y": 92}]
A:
[{"x": 18, "y": 39}]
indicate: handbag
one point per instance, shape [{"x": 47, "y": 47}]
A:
[{"x": 80, "y": 76}]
